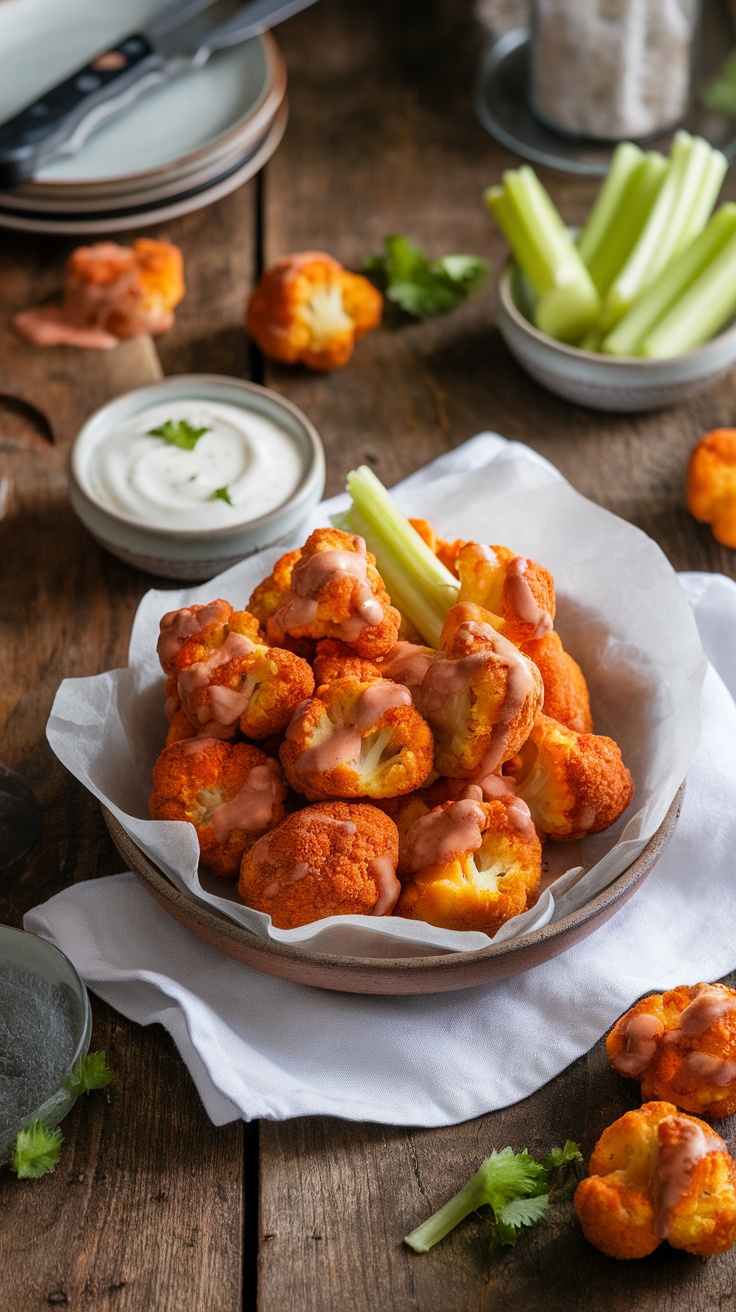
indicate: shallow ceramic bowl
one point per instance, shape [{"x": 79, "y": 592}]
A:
[
  {"x": 606, "y": 382},
  {"x": 198, "y": 553},
  {"x": 433, "y": 973},
  {"x": 34, "y": 953}
]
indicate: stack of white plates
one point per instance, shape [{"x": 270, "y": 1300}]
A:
[{"x": 182, "y": 145}]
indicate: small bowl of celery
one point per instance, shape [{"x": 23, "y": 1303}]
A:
[{"x": 636, "y": 311}]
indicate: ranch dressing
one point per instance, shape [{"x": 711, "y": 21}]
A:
[{"x": 257, "y": 463}]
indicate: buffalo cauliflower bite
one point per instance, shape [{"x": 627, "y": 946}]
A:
[
  {"x": 444, "y": 551},
  {"x": 658, "y": 1174},
  {"x": 711, "y": 484},
  {"x": 480, "y": 696},
  {"x": 307, "y": 308},
  {"x": 573, "y": 783},
  {"x": 332, "y": 859},
  {"x": 405, "y": 662},
  {"x": 566, "y": 696},
  {"x": 335, "y": 591},
  {"x": 517, "y": 590},
  {"x": 471, "y": 864},
  {"x": 681, "y": 1045},
  {"x": 231, "y": 792},
  {"x": 357, "y": 740},
  {"x": 244, "y": 685},
  {"x": 178, "y": 626},
  {"x": 335, "y": 660}
]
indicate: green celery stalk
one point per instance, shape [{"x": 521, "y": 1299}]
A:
[
  {"x": 651, "y": 307},
  {"x": 705, "y": 307},
  {"x": 705, "y": 199},
  {"x": 418, "y": 583},
  {"x": 567, "y": 301},
  {"x": 662, "y": 232},
  {"x": 625, "y": 161},
  {"x": 607, "y": 245}
]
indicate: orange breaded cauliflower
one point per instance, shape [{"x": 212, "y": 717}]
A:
[
  {"x": 682, "y": 1046},
  {"x": 335, "y": 660},
  {"x": 230, "y": 792},
  {"x": 332, "y": 859},
  {"x": 711, "y": 484},
  {"x": 406, "y": 662},
  {"x": 658, "y": 1174},
  {"x": 480, "y": 696},
  {"x": 573, "y": 783},
  {"x": 244, "y": 685},
  {"x": 472, "y": 864},
  {"x": 357, "y": 740},
  {"x": 178, "y": 626},
  {"x": 444, "y": 551},
  {"x": 517, "y": 590},
  {"x": 117, "y": 291},
  {"x": 335, "y": 591},
  {"x": 307, "y": 308},
  {"x": 566, "y": 696}
]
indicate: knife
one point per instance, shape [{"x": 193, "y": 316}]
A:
[{"x": 60, "y": 120}]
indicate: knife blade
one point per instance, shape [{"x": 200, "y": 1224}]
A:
[{"x": 63, "y": 117}]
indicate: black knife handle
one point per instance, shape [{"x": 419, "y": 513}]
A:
[{"x": 75, "y": 107}]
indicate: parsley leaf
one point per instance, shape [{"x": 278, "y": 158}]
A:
[
  {"x": 222, "y": 494},
  {"x": 513, "y": 1185},
  {"x": 90, "y": 1072},
  {"x": 180, "y": 434},
  {"x": 421, "y": 286},
  {"x": 36, "y": 1151}
]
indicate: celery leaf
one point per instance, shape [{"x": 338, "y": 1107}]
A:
[{"x": 36, "y": 1151}]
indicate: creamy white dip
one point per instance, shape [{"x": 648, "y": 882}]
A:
[{"x": 258, "y": 463}]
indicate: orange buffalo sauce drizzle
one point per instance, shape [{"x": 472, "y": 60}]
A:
[
  {"x": 640, "y": 1036},
  {"x": 310, "y": 577},
  {"x": 676, "y": 1162},
  {"x": 252, "y": 808},
  {"x": 341, "y": 745},
  {"x": 522, "y": 599},
  {"x": 179, "y": 625},
  {"x": 230, "y": 705},
  {"x": 441, "y": 835},
  {"x": 406, "y": 663}
]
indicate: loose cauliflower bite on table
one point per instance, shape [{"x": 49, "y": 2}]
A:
[
  {"x": 658, "y": 1174},
  {"x": 450, "y": 744},
  {"x": 681, "y": 1045}
]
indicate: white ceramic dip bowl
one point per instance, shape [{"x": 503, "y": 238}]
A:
[{"x": 153, "y": 534}]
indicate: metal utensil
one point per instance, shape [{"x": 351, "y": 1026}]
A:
[{"x": 59, "y": 121}]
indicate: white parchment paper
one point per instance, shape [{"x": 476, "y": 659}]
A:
[{"x": 620, "y": 612}]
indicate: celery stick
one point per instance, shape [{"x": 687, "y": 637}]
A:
[
  {"x": 627, "y": 220},
  {"x": 669, "y": 217},
  {"x": 705, "y": 307},
  {"x": 418, "y": 583},
  {"x": 680, "y": 274},
  {"x": 567, "y": 300},
  {"x": 624, "y": 162},
  {"x": 705, "y": 199}
]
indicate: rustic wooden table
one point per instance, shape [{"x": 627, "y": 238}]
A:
[{"x": 151, "y": 1208}]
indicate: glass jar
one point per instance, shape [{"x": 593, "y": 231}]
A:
[{"x": 612, "y": 69}]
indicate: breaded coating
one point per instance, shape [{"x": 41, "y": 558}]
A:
[
  {"x": 307, "y": 308},
  {"x": 566, "y": 696},
  {"x": 181, "y": 727},
  {"x": 480, "y": 696},
  {"x": 230, "y": 792},
  {"x": 406, "y": 662},
  {"x": 178, "y": 626},
  {"x": 254, "y": 688},
  {"x": 472, "y": 864},
  {"x": 211, "y": 639},
  {"x": 681, "y": 1045},
  {"x": 516, "y": 589},
  {"x": 573, "y": 783},
  {"x": 335, "y": 591},
  {"x": 357, "y": 740},
  {"x": 335, "y": 660},
  {"x": 270, "y": 593},
  {"x": 332, "y": 859},
  {"x": 658, "y": 1174},
  {"x": 711, "y": 484}
]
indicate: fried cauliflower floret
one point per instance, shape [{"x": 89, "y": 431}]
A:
[
  {"x": 231, "y": 793},
  {"x": 180, "y": 727},
  {"x": 681, "y": 1045},
  {"x": 711, "y": 484},
  {"x": 244, "y": 685},
  {"x": 658, "y": 1174},
  {"x": 516, "y": 589},
  {"x": 335, "y": 591},
  {"x": 357, "y": 740},
  {"x": 332, "y": 859},
  {"x": 471, "y": 864},
  {"x": 307, "y": 308},
  {"x": 573, "y": 783},
  {"x": 566, "y": 696},
  {"x": 406, "y": 662},
  {"x": 445, "y": 551},
  {"x": 480, "y": 696},
  {"x": 335, "y": 660},
  {"x": 269, "y": 595},
  {"x": 178, "y": 626},
  {"x": 205, "y": 642}
]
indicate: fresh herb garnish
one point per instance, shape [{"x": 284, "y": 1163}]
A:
[
  {"x": 513, "y": 1185},
  {"x": 221, "y": 494},
  {"x": 36, "y": 1151},
  {"x": 180, "y": 433},
  {"x": 421, "y": 286},
  {"x": 90, "y": 1072}
]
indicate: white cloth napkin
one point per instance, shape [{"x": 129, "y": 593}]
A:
[{"x": 260, "y": 1047}]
